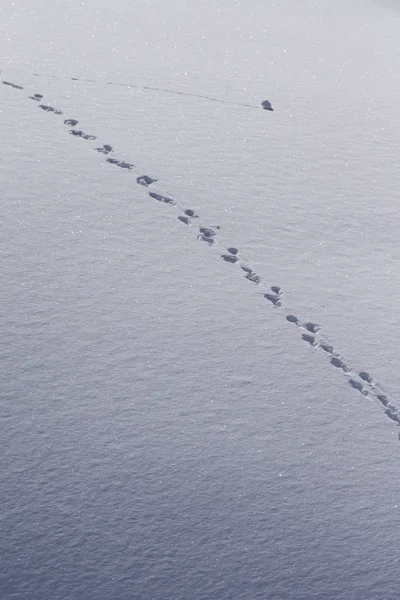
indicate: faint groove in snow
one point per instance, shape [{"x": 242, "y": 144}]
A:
[{"x": 146, "y": 87}]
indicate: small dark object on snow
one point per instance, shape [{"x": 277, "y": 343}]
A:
[{"x": 266, "y": 104}]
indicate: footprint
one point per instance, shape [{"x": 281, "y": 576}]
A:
[
  {"x": 185, "y": 220},
  {"x": 190, "y": 213},
  {"x": 106, "y": 149},
  {"x": 50, "y": 109},
  {"x": 250, "y": 275},
  {"x": 292, "y": 319},
  {"x": 120, "y": 163},
  {"x": 275, "y": 299},
  {"x": 339, "y": 364},
  {"x": 233, "y": 250},
  {"x": 312, "y": 327},
  {"x": 230, "y": 258},
  {"x": 382, "y": 399},
  {"x": 82, "y": 134},
  {"x": 326, "y": 348},
  {"x": 392, "y": 413},
  {"x": 366, "y": 377},
  {"x": 145, "y": 180},
  {"x": 36, "y": 97},
  {"x": 358, "y": 386},
  {"x": 310, "y": 339},
  {"x": 207, "y": 235},
  {"x": 71, "y": 122},
  {"x": 276, "y": 289},
  {"x": 13, "y": 85},
  {"x": 161, "y": 198}
]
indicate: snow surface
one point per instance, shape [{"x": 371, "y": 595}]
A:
[{"x": 167, "y": 432}]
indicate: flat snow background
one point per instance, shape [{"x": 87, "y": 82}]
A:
[{"x": 167, "y": 434}]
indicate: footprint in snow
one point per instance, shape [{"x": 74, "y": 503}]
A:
[
  {"x": 206, "y": 234},
  {"x": 250, "y": 275},
  {"x": 82, "y": 134},
  {"x": 50, "y": 109},
  {"x": 36, "y": 97},
  {"x": 145, "y": 180},
  {"x": 188, "y": 215},
  {"x": 13, "y": 85},
  {"x": 161, "y": 198},
  {"x": 105, "y": 149}
]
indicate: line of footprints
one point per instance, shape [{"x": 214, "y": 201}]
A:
[{"x": 361, "y": 381}]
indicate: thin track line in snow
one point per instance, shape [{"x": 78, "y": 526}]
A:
[{"x": 147, "y": 87}]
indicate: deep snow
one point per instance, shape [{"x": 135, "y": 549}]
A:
[{"x": 167, "y": 432}]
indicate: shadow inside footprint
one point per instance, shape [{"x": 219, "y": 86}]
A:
[
  {"x": 233, "y": 250},
  {"x": 230, "y": 258},
  {"x": 366, "y": 377},
  {"x": 339, "y": 364},
  {"x": 276, "y": 289},
  {"x": 50, "y": 109},
  {"x": 383, "y": 399},
  {"x": 184, "y": 220},
  {"x": 310, "y": 339},
  {"x": 145, "y": 180},
  {"x": 161, "y": 198},
  {"x": 105, "y": 149},
  {"x": 292, "y": 319},
  {"x": 206, "y": 235},
  {"x": 250, "y": 275},
  {"x": 36, "y": 97},
  {"x": 190, "y": 213},
  {"x": 358, "y": 386},
  {"x": 276, "y": 301},
  {"x": 312, "y": 327},
  {"x": 13, "y": 85},
  {"x": 326, "y": 348},
  {"x": 71, "y": 122}
]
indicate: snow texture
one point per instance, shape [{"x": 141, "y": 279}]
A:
[{"x": 200, "y": 300}]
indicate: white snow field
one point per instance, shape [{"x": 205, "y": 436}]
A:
[{"x": 200, "y": 300}]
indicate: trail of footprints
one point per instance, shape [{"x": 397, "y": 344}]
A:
[{"x": 311, "y": 334}]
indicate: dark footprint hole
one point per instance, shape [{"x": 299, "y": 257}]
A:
[
  {"x": 336, "y": 362},
  {"x": 356, "y": 385},
  {"x": 47, "y": 108},
  {"x": 327, "y": 348},
  {"x": 13, "y": 85},
  {"x": 312, "y": 327},
  {"x": 383, "y": 399},
  {"x": 310, "y": 339},
  {"x": 190, "y": 213},
  {"x": 145, "y": 180},
  {"x": 76, "y": 132},
  {"x": 366, "y": 376},
  {"x": 233, "y": 250},
  {"x": 184, "y": 220},
  {"x": 392, "y": 413},
  {"x": 207, "y": 232},
  {"x": 106, "y": 149},
  {"x": 161, "y": 198},
  {"x": 124, "y": 165},
  {"x": 36, "y": 97},
  {"x": 292, "y": 319},
  {"x": 229, "y": 258},
  {"x": 276, "y": 301},
  {"x": 71, "y": 122},
  {"x": 253, "y": 277},
  {"x": 276, "y": 289}
]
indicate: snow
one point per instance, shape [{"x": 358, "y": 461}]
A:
[{"x": 167, "y": 432}]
